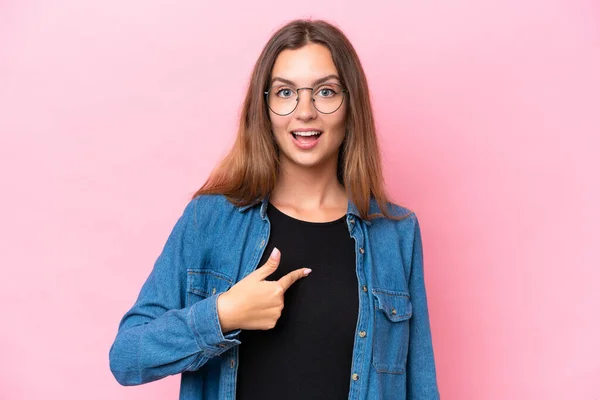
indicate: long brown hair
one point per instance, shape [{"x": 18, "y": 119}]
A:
[{"x": 249, "y": 172}]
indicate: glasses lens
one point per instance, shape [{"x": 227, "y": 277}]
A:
[
  {"x": 282, "y": 100},
  {"x": 328, "y": 97}
]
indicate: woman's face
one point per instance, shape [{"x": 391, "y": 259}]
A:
[{"x": 307, "y": 67}]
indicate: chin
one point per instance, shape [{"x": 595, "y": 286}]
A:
[
  {"x": 304, "y": 162},
  {"x": 313, "y": 161}
]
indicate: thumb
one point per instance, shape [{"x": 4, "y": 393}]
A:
[{"x": 270, "y": 266}]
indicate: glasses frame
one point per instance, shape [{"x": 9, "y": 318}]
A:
[{"x": 312, "y": 89}]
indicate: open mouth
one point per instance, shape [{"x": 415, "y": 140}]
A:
[{"x": 306, "y": 137}]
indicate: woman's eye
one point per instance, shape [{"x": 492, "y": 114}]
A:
[
  {"x": 326, "y": 92},
  {"x": 285, "y": 93}
]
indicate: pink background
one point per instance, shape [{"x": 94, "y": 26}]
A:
[{"x": 112, "y": 113}]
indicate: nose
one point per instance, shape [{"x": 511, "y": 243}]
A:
[{"x": 306, "y": 109}]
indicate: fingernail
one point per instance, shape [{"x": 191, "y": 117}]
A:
[
  {"x": 307, "y": 271},
  {"x": 275, "y": 254}
]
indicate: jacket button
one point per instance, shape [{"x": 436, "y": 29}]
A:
[
  {"x": 262, "y": 243},
  {"x": 364, "y": 288},
  {"x": 232, "y": 363},
  {"x": 362, "y": 334},
  {"x": 362, "y": 251},
  {"x": 214, "y": 291},
  {"x": 354, "y": 377},
  {"x": 394, "y": 311}
]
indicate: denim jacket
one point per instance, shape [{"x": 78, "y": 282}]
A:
[{"x": 173, "y": 327}]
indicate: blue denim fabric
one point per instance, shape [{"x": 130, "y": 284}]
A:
[{"x": 173, "y": 327}]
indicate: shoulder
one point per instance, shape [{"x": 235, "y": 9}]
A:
[
  {"x": 201, "y": 209},
  {"x": 211, "y": 201},
  {"x": 398, "y": 212},
  {"x": 403, "y": 222}
]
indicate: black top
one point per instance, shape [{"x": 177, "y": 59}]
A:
[{"x": 308, "y": 354}]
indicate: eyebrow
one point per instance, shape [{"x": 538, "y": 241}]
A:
[{"x": 320, "y": 80}]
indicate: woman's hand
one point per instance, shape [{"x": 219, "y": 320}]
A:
[{"x": 253, "y": 302}]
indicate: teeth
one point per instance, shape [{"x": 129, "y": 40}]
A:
[{"x": 310, "y": 133}]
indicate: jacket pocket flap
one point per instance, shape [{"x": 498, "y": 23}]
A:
[
  {"x": 206, "y": 282},
  {"x": 395, "y": 305}
]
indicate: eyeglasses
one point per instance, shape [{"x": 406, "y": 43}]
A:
[{"x": 327, "y": 98}]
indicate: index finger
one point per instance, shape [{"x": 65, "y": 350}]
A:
[{"x": 288, "y": 280}]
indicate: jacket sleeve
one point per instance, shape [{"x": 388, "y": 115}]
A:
[
  {"x": 421, "y": 375},
  {"x": 158, "y": 336}
]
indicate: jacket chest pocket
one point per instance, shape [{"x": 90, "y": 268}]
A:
[
  {"x": 203, "y": 283},
  {"x": 390, "y": 345}
]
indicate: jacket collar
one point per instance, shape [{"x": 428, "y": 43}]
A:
[{"x": 352, "y": 210}]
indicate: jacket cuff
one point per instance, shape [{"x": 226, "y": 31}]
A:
[{"x": 204, "y": 321}]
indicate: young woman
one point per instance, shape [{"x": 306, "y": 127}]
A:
[{"x": 290, "y": 275}]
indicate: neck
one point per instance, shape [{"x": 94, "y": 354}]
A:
[{"x": 309, "y": 188}]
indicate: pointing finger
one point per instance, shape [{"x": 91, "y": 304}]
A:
[{"x": 288, "y": 280}]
